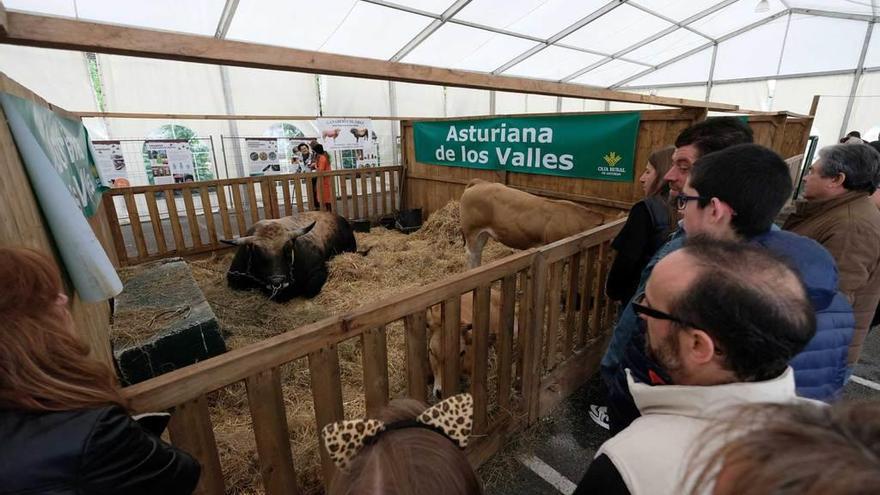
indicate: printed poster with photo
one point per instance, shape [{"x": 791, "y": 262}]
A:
[
  {"x": 347, "y": 134},
  {"x": 170, "y": 160},
  {"x": 262, "y": 156},
  {"x": 368, "y": 156},
  {"x": 111, "y": 164},
  {"x": 298, "y": 163}
]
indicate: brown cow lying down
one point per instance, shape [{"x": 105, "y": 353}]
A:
[
  {"x": 517, "y": 219},
  {"x": 287, "y": 257},
  {"x": 466, "y": 353}
]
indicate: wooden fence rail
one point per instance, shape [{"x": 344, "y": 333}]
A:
[
  {"x": 152, "y": 222},
  {"x": 554, "y": 321}
]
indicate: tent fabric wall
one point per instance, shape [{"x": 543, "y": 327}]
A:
[
  {"x": 59, "y": 76},
  {"x": 419, "y": 100}
]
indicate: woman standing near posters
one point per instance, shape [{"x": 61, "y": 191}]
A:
[{"x": 322, "y": 164}]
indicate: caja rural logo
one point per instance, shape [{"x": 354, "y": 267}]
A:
[{"x": 612, "y": 158}]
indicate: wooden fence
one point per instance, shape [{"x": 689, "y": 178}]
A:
[
  {"x": 554, "y": 319},
  {"x": 191, "y": 218}
]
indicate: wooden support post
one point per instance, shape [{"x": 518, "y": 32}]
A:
[
  {"x": 586, "y": 290},
  {"x": 479, "y": 376},
  {"x": 176, "y": 230},
  {"x": 224, "y": 212},
  {"x": 451, "y": 346},
  {"x": 505, "y": 339},
  {"x": 365, "y": 195},
  {"x": 571, "y": 326},
  {"x": 384, "y": 187},
  {"x": 600, "y": 299},
  {"x": 192, "y": 219},
  {"x": 310, "y": 192},
  {"x": 252, "y": 201},
  {"x": 531, "y": 375},
  {"x": 239, "y": 209},
  {"x": 375, "y": 361},
  {"x": 270, "y": 430},
  {"x": 134, "y": 219},
  {"x": 191, "y": 431},
  {"x": 208, "y": 212},
  {"x": 417, "y": 365},
  {"x": 285, "y": 193},
  {"x": 115, "y": 229},
  {"x": 327, "y": 395},
  {"x": 554, "y": 295},
  {"x": 156, "y": 222},
  {"x": 298, "y": 194}
]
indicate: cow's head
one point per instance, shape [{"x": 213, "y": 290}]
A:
[
  {"x": 268, "y": 255},
  {"x": 435, "y": 350}
]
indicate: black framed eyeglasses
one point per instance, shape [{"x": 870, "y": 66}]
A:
[
  {"x": 681, "y": 200},
  {"x": 650, "y": 312}
]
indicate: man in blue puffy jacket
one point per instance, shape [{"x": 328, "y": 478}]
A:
[{"x": 735, "y": 194}]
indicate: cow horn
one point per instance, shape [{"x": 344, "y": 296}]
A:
[
  {"x": 303, "y": 231},
  {"x": 238, "y": 241}
]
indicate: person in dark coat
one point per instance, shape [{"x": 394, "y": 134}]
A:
[
  {"x": 647, "y": 227},
  {"x": 64, "y": 428}
]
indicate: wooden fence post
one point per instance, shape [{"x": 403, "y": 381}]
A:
[
  {"x": 270, "y": 430},
  {"x": 531, "y": 375},
  {"x": 191, "y": 431}
]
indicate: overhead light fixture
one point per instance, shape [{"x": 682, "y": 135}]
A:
[{"x": 763, "y": 6}]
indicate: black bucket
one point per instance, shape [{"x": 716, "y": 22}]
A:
[
  {"x": 360, "y": 225},
  {"x": 387, "y": 221},
  {"x": 409, "y": 220}
]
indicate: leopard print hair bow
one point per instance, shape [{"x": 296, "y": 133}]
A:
[{"x": 452, "y": 417}]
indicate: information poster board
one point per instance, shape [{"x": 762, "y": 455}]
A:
[
  {"x": 350, "y": 136},
  {"x": 170, "y": 160},
  {"x": 262, "y": 156},
  {"x": 111, "y": 163}
]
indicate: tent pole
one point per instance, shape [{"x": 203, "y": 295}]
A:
[
  {"x": 855, "y": 85},
  {"x": 711, "y": 71}
]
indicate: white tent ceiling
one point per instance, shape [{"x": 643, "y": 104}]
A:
[{"x": 625, "y": 43}]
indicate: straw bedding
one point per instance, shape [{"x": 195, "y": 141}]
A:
[{"x": 395, "y": 264}]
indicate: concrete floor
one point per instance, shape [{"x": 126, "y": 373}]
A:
[{"x": 565, "y": 442}]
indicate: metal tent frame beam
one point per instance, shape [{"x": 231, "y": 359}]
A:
[
  {"x": 429, "y": 30},
  {"x": 483, "y": 27},
  {"x": 855, "y": 84},
  {"x": 608, "y": 7},
  {"x": 700, "y": 48},
  {"x": 619, "y": 54}
]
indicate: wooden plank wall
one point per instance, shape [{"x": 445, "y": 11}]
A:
[
  {"x": 23, "y": 224},
  {"x": 430, "y": 187},
  {"x": 189, "y": 225}
]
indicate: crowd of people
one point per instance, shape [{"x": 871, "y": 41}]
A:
[{"x": 724, "y": 372}]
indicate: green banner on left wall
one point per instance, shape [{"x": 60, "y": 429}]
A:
[{"x": 49, "y": 142}]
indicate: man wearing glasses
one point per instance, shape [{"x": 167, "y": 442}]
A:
[
  {"x": 735, "y": 194},
  {"x": 723, "y": 318},
  {"x": 704, "y": 137}
]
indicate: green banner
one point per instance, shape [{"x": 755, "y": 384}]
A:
[
  {"x": 600, "y": 146},
  {"x": 50, "y": 143}
]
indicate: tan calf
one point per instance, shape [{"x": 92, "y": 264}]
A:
[
  {"x": 517, "y": 219},
  {"x": 466, "y": 354}
]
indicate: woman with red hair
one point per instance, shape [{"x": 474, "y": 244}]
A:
[{"x": 64, "y": 428}]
